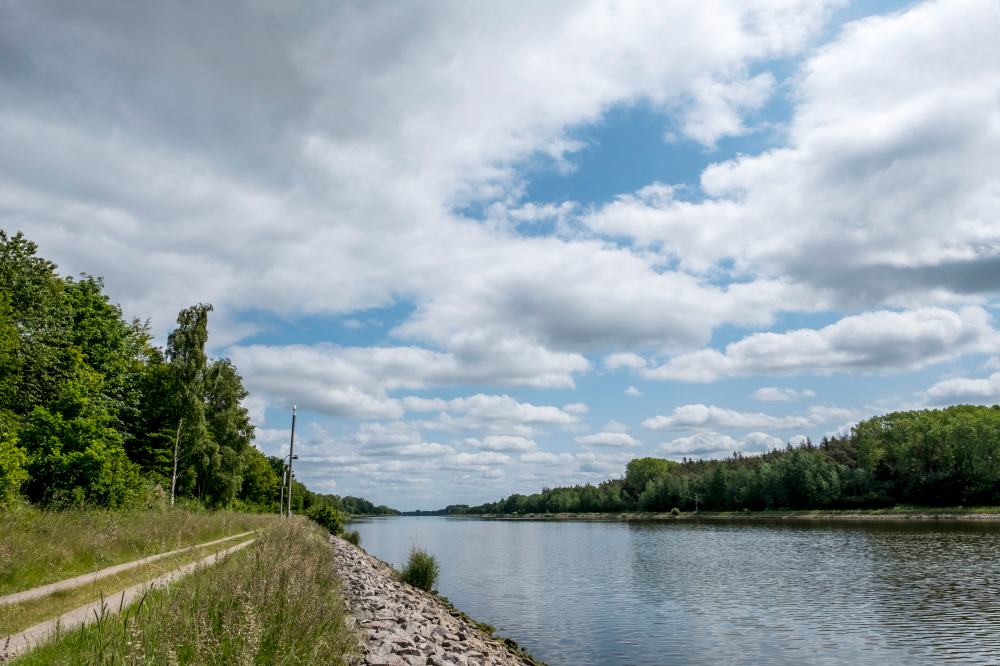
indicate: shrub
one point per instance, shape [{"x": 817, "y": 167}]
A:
[
  {"x": 353, "y": 536},
  {"x": 675, "y": 511},
  {"x": 12, "y": 473},
  {"x": 328, "y": 517},
  {"x": 421, "y": 570}
]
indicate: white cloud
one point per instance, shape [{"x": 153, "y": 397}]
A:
[
  {"x": 624, "y": 360},
  {"x": 718, "y": 107},
  {"x": 871, "y": 342},
  {"x": 353, "y": 381},
  {"x": 704, "y": 416},
  {"x": 504, "y": 443},
  {"x": 273, "y": 194},
  {"x": 774, "y": 394},
  {"x": 576, "y": 408},
  {"x": 607, "y": 439},
  {"x": 712, "y": 444},
  {"x": 633, "y": 392},
  {"x": 886, "y": 191},
  {"x": 494, "y": 408},
  {"x": 703, "y": 444},
  {"x": 545, "y": 458},
  {"x": 965, "y": 389}
]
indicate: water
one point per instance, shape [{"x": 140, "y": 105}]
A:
[{"x": 718, "y": 593}]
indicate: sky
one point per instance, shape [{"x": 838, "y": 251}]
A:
[{"x": 493, "y": 247}]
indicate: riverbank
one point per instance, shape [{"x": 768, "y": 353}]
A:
[
  {"x": 897, "y": 513},
  {"x": 401, "y": 625}
]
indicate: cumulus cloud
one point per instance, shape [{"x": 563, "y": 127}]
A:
[
  {"x": 633, "y": 392},
  {"x": 606, "y": 438},
  {"x": 707, "y": 417},
  {"x": 774, "y": 394},
  {"x": 354, "y": 381},
  {"x": 889, "y": 173},
  {"x": 870, "y": 342},
  {"x": 717, "y": 445},
  {"x": 504, "y": 443},
  {"x": 263, "y": 193},
  {"x": 965, "y": 389},
  {"x": 495, "y": 408}
]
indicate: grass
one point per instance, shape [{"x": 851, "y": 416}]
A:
[
  {"x": 20, "y": 616},
  {"x": 421, "y": 570},
  {"x": 276, "y": 602},
  {"x": 39, "y": 547}
]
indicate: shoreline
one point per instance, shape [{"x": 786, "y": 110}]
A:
[
  {"x": 400, "y": 625},
  {"x": 952, "y": 514}
]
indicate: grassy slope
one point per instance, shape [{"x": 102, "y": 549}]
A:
[
  {"x": 18, "y": 617},
  {"x": 39, "y": 547},
  {"x": 276, "y": 602}
]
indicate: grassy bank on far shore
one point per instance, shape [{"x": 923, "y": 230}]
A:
[
  {"x": 982, "y": 513},
  {"x": 39, "y": 547},
  {"x": 276, "y": 602}
]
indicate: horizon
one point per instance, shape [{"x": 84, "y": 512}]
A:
[{"x": 492, "y": 248}]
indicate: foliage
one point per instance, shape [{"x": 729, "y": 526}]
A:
[
  {"x": 328, "y": 517},
  {"x": 353, "y": 536},
  {"x": 12, "y": 462},
  {"x": 421, "y": 570},
  {"x": 941, "y": 457},
  {"x": 90, "y": 410}
]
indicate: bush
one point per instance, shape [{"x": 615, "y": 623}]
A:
[
  {"x": 675, "y": 511},
  {"x": 12, "y": 473},
  {"x": 421, "y": 570},
  {"x": 353, "y": 536},
  {"x": 328, "y": 517}
]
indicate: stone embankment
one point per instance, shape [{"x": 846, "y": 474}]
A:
[{"x": 401, "y": 625}]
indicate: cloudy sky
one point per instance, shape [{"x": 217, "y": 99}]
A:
[{"x": 492, "y": 246}]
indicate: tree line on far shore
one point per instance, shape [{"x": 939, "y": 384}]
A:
[
  {"x": 943, "y": 457},
  {"x": 91, "y": 410}
]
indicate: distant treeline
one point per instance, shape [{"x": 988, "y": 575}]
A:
[
  {"x": 947, "y": 457},
  {"x": 90, "y": 410}
]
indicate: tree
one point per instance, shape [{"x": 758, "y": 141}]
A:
[
  {"x": 186, "y": 354},
  {"x": 641, "y": 471}
]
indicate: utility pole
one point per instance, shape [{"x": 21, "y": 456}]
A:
[
  {"x": 284, "y": 477},
  {"x": 291, "y": 457},
  {"x": 173, "y": 478}
]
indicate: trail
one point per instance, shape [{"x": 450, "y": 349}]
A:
[
  {"x": 17, "y": 644},
  {"x": 70, "y": 583}
]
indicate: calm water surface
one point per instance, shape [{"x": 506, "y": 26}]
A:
[{"x": 718, "y": 593}]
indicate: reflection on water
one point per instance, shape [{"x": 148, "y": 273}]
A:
[{"x": 718, "y": 593}]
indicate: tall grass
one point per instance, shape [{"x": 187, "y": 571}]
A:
[
  {"x": 276, "y": 602},
  {"x": 39, "y": 547},
  {"x": 421, "y": 570}
]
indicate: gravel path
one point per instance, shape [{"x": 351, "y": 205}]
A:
[{"x": 401, "y": 625}]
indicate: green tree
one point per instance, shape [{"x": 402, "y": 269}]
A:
[
  {"x": 641, "y": 471},
  {"x": 186, "y": 354}
]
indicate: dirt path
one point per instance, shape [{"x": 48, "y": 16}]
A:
[
  {"x": 70, "y": 583},
  {"x": 19, "y": 643}
]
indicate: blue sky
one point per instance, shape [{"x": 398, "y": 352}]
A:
[{"x": 491, "y": 248}]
